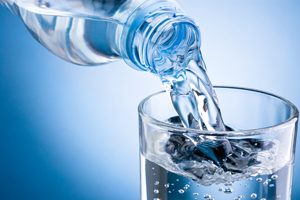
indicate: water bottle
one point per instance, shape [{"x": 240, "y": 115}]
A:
[{"x": 150, "y": 35}]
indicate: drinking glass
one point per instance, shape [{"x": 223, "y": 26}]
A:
[{"x": 252, "y": 159}]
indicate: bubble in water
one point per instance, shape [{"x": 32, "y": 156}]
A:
[
  {"x": 195, "y": 194},
  {"x": 181, "y": 191},
  {"x": 238, "y": 197},
  {"x": 207, "y": 196},
  {"x": 271, "y": 185},
  {"x": 186, "y": 186},
  {"x": 156, "y": 191},
  {"x": 259, "y": 179},
  {"x": 156, "y": 183},
  {"x": 43, "y": 4},
  {"x": 228, "y": 190},
  {"x": 266, "y": 183},
  {"x": 274, "y": 176},
  {"x": 167, "y": 185},
  {"x": 253, "y": 196}
]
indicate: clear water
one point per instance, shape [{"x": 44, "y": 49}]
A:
[{"x": 160, "y": 184}]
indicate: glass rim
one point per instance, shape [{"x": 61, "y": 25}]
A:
[{"x": 242, "y": 132}]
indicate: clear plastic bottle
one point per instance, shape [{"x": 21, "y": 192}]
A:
[{"x": 147, "y": 34}]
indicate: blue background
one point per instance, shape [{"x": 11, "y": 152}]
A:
[{"x": 70, "y": 132}]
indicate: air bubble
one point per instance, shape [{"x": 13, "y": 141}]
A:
[
  {"x": 207, "y": 196},
  {"x": 167, "y": 185},
  {"x": 156, "y": 183},
  {"x": 266, "y": 183},
  {"x": 253, "y": 196},
  {"x": 186, "y": 186},
  {"x": 228, "y": 190},
  {"x": 43, "y": 4},
  {"x": 181, "y": 191},
  {"x": 274, "y": 176},
  {"x": 156, "y": 191},
  {"x": 259, "y": 179}
]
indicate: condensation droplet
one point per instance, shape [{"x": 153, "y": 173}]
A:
[
  {"x": 156, "y": 199},
  {"x": 181, "y": 191},
  {"x": 167, "y": 185},
  {"x": 263, "y": 199},
  {"x": 156, "y": 183},
  {"x": 220, "y": 189},
  {"x": 177, "y": 180},
  {"x": 253, "y": 196},
  {"x": 156, "y": 191},
  {"x": 195, "y": 194},
  {"x": 271, "y": 185}
]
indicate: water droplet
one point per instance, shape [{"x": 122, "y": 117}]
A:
[
  {"x": 253, "y": 196},
  {"x": 274, "y": 176},
  {"x": 220, "y": 189},
  {"x": 259, "y": 179},
  {"x": 266, "y": 183},
  {"x": 156, "y": 191},
  {"x": 156, "y": 199},
  {"x": 195, "y": 194},
  {"x": 271, "y": 185},
  {"x": 181, "y": 191},
  {"x": 156, "y": 183},
  {"x": 228, "y": 190},
  {"x": 207, "y": 196},
  {"x": 167, "y": 185},
  {"x": 177, "y": 180},
  {"x": 172, "y": 184},
  {"x": 153, "y": 168},
  {"x": 263, "y": 199},
  {"x": 169, "y": 191}
]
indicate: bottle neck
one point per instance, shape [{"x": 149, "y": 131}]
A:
[{"x": 152, "y": 36}]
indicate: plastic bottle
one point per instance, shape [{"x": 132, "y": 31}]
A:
[{"x": 147, "y": 34}]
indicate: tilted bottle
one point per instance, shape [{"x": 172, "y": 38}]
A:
[{"x": 147, "y": 34}]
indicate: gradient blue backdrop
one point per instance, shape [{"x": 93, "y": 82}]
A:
[{"x": 69, "y": 132}]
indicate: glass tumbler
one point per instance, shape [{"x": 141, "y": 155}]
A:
[{"x": 252, "y": 159}]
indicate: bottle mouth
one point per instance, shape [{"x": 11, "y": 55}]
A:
[{"x": 155, "y": 32}]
